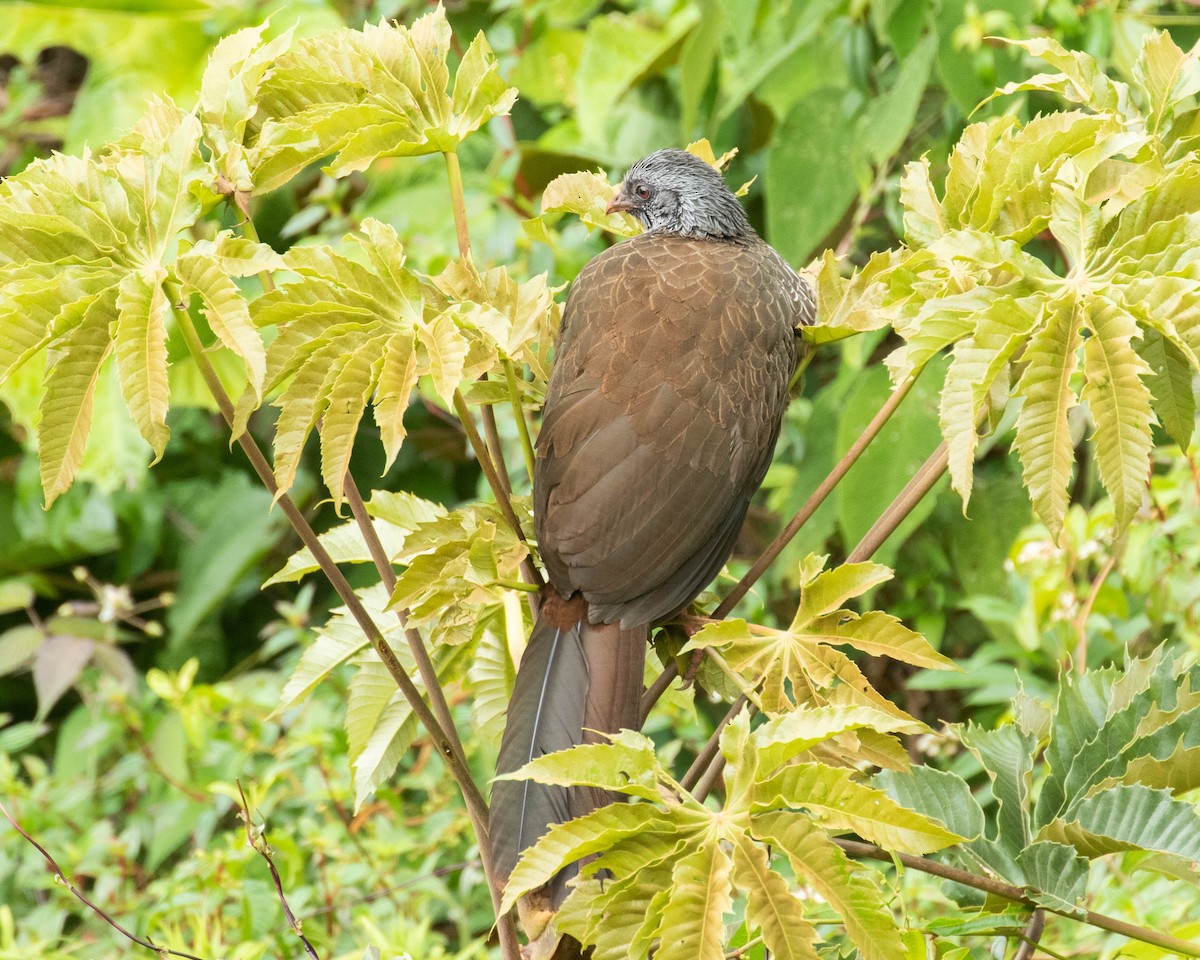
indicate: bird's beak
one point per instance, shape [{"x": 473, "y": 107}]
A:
[{"x": 620, "y": 202}]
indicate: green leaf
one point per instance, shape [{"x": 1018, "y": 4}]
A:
[
  {"x": 1080, "y": 80},
  {"x": 830, "y": 589},
  {"x": 840, "y": 804},
  {"x": 1007, "y": 755},
  {"x": 567, "y": 842},
  {"x": 770, "y": 906},
  {"x": 1170, "y": 384},
  {"x": 1056, "y": 872},
  {"x": 815, "y": 144},
  {"x": 1043, "y": 439},
  {"x": 1120, "y": 406},
  {"x": 940, "y": 794},
  {"x": 587, "y": 195},
  {"x": 66, "y": 409},
  {"x": 141, "y": 345},
  {"x": 337, "y": 642},
  {"x": 779, "y": 740},
  {"x": 378, "y": 92},
  {"x": 843, "y": 884},
  {"x": 701, "y": 894},
  {"x": 626, "y": 764},
  {"x": 1128, "y": 818}
]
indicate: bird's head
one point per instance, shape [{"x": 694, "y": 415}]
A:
[{"x": 674, "y": 192}]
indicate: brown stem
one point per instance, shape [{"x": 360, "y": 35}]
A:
[
  {"x": 82, "y": 897},
  {"x": 262, "y": 849},
  {"x": 921, "y": 483},
  {"x": 1031, "y": 935},
  {"x": 476, "y": 808},
  {"x": 495, "y": 449},
  {"x": 383, "y": 565},
  {"x": 708, "y": 754},
  {"x": 818, "y": 497},
  {"x": 1007, "y": 891},
  {"x": 528, "y": 570},
  {"x": 1086, "y": 611},
  {"x": 657, "y": 689}
]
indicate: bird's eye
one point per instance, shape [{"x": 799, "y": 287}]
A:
[{"x": 643, "y": 192}]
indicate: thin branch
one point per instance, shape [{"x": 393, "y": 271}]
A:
[
  {"x": 458, "y": 204},
  {"x": 818, "y": 497},
  {"x": 495, "y": 447},
  {"x": 1007, "y": 891},
  {"x": 657, "y": 689},
  {"x": 921, "y": 483},
  {"x": 528, "y": 570},
  {"x": 709, "y": 752},
  {"x": 82, "y": 897},
  {"x": 1086, "y": 611},
  {"x": 476, "y": 807},
  {"x": 383, "y": 565},
  {"x": 261, "y": 847},
  {"x": 1031, "y": 935},
  {"x": 514, "y": 400}
]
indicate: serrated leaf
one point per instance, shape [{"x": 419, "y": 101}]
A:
[
  {"x": 347, "y": 402},
  {"x": 1170, "y": 382},
  {"x": 1128, "y": 818},
  {"x": 336, "y": 644},
  {"x": 770, "y": 906},
  {"x": 379, "y": 92},
  {"x": 1120, "y": 406},
  {"x": 567, "y": 842},
  {"x": 1080, "y": 80},
  {"x": 586, "y": 195},
  {"x": 1043, "y": 439},
  {"x": 701, "y": 895},
  {"x": 779, "y": 740},
  {"x": 205, "y": 271},
  {"x": 1007, "y": 755},
  {"x": 66, "y": 408},
  {"x": 843, "y": 884},
  {"x": 1054, "y": 874},
  {"x": 141, "y": 347},
  {"x": 830, "y": 589},
  {"x": 626, "y": 764},
  {"x": 840, "y": 804}
]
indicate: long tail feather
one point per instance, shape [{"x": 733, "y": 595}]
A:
[{"x": 571, "y": 679}]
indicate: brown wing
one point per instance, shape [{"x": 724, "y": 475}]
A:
[{"x": 661, "y": 417}]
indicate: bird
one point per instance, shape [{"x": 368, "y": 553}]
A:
[{"x": 665, "y": 401}]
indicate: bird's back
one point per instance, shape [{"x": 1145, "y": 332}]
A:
[{"x": 661, "y": 417}]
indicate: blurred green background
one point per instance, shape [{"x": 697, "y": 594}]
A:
[{"x": 139, "y": 660}]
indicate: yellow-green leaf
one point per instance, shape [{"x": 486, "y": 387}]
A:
[
  {"x": 1120, "y": 406},
  {"x": 770, "y": 906},
  {"x": 701, "y": 895}
]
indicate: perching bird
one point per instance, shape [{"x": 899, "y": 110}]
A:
[{"x": 662, "y": 413}]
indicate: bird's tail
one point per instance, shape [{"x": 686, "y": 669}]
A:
[{"x": 574, "y": 676}]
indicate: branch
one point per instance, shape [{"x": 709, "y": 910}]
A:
[
  {"x": 1031, "y": 935},
  {"x": 79, "y": 895},
  {"x": 337, "y": 580},
  {"x": 921, "y": 483},
  {"x": 260, "y": 846},
  {"x": 1007, "y": 891},
  {"x": 818, "y": 497}
]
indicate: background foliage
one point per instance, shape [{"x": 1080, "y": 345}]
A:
[{"x": 143, "y": 671}]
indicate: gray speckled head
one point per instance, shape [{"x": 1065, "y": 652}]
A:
[{"x": 671, "y": 191}]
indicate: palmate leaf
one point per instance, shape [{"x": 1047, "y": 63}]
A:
[
  {"x": 609, "y": 914},
  {"x": 352, "y": 333},
  {"x": 456, "y": 565},
  {"x": 691, "y": 927},
  {"x": 84, "y": 248},
  {"x": 626, "y": 764},
  {"x": 800, "y": 657},
  {"x": 1130, "y": 817},
  {"x": 771, "y": 906},
  {"x": 843, "y": 884},
  {"x": 846, "y": 306},
  {"x": 383, "y": 91}
]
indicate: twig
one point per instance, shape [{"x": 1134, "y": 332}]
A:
[
  {"x": 1007, "y": 891},
  {"x": 705, "y": 757},
  {"x": 1031, "y": 935},
  {"x": 260, "y": 846},
  {"x": 776, "y": 547},
  {"x": 921, "y": 483},
  {"x": 818, "y": 497},
  {"x": 82, "y": 897},
  {"x": 744, "y": 948},
  {"x": 476, "y": 807},
  {"x": 1086, "y": 611},
  {"x": 528, "y": 570},
  {"x": 383, "y": 565},
  {"x": 514, "y": 400}
]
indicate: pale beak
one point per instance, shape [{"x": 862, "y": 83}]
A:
[{"x": 618, "y": 203}]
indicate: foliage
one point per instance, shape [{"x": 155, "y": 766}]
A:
[{"x": 1033, "y": 269}]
